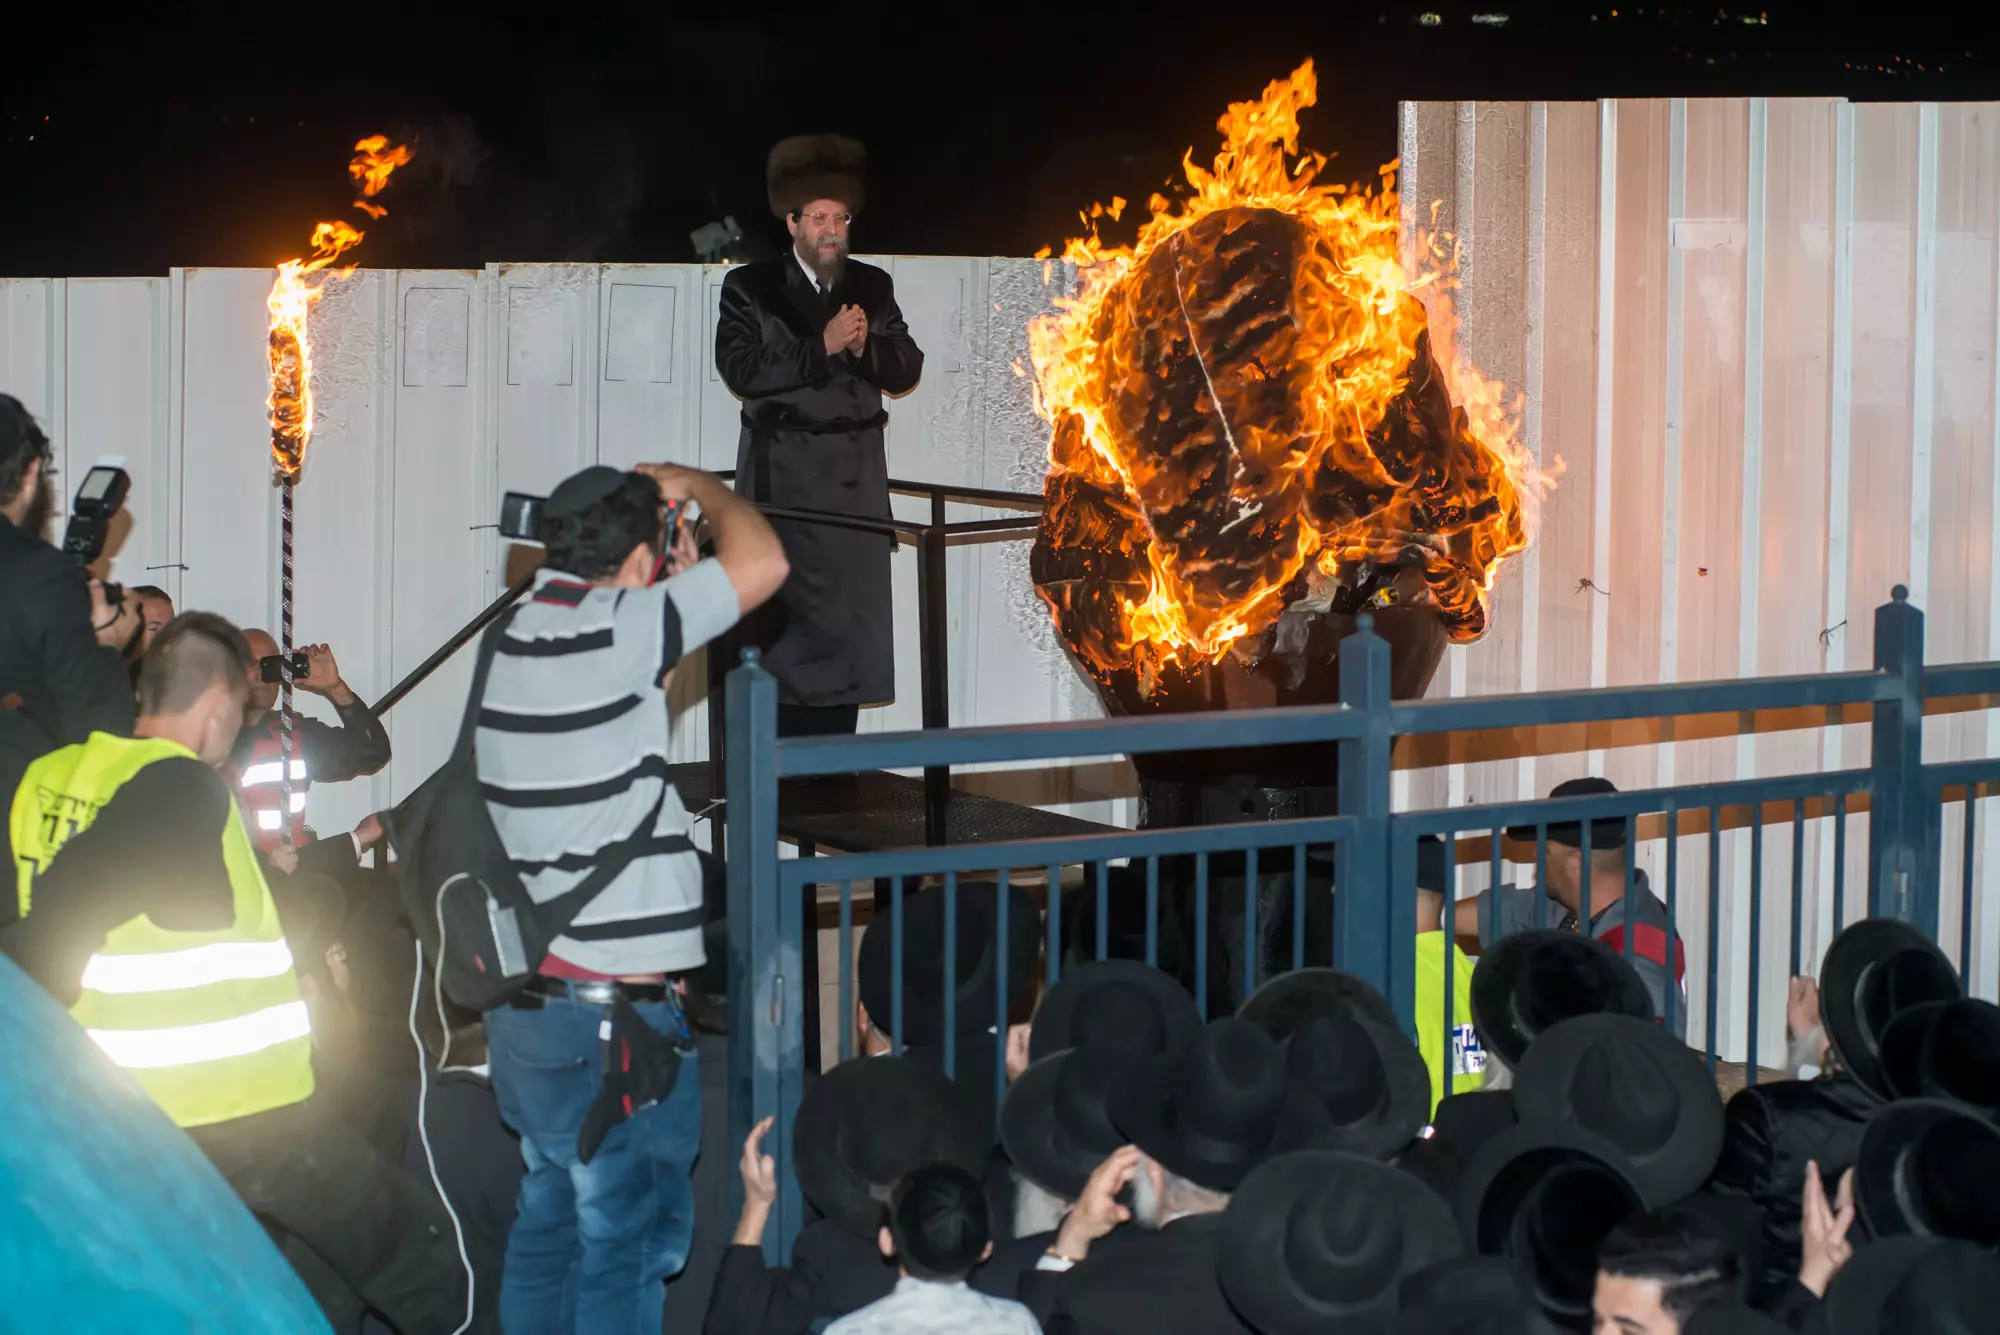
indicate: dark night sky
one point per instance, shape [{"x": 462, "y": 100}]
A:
[{"x": 608, "y": 132}]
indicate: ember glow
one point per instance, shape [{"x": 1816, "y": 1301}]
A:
[
  {"x": 291, "y": 301},
  {"x": 1251, "y": 406}
]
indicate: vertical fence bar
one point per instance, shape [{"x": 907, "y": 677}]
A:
[
  {"x": 846, "y": 1018},
  {"x": 1586, "y": 875},
  {"x": 1298, "y": 906},
  {"x": 1448, "y": 946},
  {"x": 1839, "y": 874},
  {"x": 951, "y": 975},
  {"x": 1249, "y": 922},
  {"x": 1403, "y": 915},
  {"x": 1153, "y": 911},
  {"x": 1631, "y": 875},
  {"x": 1756, "y": 931},
  {"x": 1714, "y": 927},
  {"x": 1360, "y": 906},
  {"x": 1541, "y": 874},
  {"x": 1675, "y": 984},
  {"x": 1901, "y": 846},
  {"x": 1103, "y": 909},
  {"x": 896, "y": 967},
  {"x": 1201, "y": 934},
  {"x": 1055, "y": 925},
  {"x": 1002, "y": 922},
  {"x": 764, "y": 1075},
  {"x": 1489, "y": 903},
  {"x": 1965, "y": 899},
  {"x": 1798, "y": 886}
]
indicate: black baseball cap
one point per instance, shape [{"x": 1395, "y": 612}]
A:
[
  {"x": 1604, "y": 834},
  {"x": 579, "y": 491}
]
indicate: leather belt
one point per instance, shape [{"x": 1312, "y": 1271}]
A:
[{"x": 591, "y": 992}]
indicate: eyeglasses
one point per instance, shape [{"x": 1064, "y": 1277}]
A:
[{"x": 825, "y": 219}]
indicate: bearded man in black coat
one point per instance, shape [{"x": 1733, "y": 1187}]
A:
[{"x": 810, "y": 342}]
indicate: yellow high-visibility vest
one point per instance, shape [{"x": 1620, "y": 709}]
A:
[
  {"x": 211, "y": 1024},
  {"x": 1451, "y": 1051}
]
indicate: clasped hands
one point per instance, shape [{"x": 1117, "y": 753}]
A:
[{"x": 847, "y": 331}]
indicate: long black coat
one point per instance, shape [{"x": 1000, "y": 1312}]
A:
[
  {"x": 812, "y": 439},
  {"x": 1773, "y": 1130},
  {"x": 1149, "y": 1284}
]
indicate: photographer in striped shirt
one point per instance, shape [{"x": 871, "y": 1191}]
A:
[{"x": 572, "y": 755}]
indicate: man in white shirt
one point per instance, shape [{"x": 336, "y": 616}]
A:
[{"x": 938, "y": 1231}]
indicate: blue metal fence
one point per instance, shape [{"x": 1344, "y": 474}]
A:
[{"x": 1371, "y": 851}]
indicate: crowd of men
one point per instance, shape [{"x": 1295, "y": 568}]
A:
[{"x": 1023, "y": 1143}]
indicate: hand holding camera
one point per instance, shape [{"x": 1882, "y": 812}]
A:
[{"x": 114, "y": 618}]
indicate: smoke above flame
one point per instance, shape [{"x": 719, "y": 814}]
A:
[
  {"x": 292, "y": 297},
  {"x": 1257, "y": 393}
]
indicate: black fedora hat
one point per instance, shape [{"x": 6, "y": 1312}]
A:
[
  {"x": 975, "y": 939},
  {"x": 1874, "y": 969},
  {"x": 1913, "y": 1284},
  {"x": 1532, "y": 981},
  {"x": 1289, "y": 1000},
  {"x": 870, "y": 1120},
  {"x": 1636, "y": 1085},
  {"x": 1544, "y": 1194},
  {"x": 1370, "y": 1079},
  {"x": 1319, "y": 1241},
  {"x": 1929, "y": 1167},
  {"x": 1115, "y": 1004},
  {"x": 1961, "y": 1056},
  {"x": 1604, "y": 833},
  {"x": 1461, "y": 1124},
  {"x": 1470, "y": 1295},
  {"x": 1731, "y": 1318},
  {"x": 1216, "y": 1111},
  {"x": 1054, "y": 1124},
  {"x": 1902, "y": 1048}
]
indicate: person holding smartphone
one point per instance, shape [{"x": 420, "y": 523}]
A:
[{"x": 321, "y": 752}]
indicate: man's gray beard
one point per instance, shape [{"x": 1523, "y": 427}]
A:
[
  {"x": 1145, "y": 1201},
  {"x": 1036, "y": 1208},
  {"x": 827, "y": 271}
]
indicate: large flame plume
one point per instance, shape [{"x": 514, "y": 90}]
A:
[
  {"x": 292, "y": 297},
  {"x": 1254, "y": 395}
]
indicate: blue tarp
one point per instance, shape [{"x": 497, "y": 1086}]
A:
[{"x": 110, "y": 1218}]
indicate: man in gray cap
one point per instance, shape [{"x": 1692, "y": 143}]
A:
[{"x": 571, "y": 749}]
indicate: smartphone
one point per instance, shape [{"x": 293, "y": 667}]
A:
[{"x": 271, "y": 667}]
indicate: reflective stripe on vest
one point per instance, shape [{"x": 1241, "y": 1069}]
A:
[
  {"x": 260, "y": 787},
  {"x": 210, "y": 1024}
]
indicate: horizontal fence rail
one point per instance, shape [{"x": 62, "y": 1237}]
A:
[{"x": 1227, "y": 906}]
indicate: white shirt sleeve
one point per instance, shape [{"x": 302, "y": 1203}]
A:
[{"x": 706, "y": 602}]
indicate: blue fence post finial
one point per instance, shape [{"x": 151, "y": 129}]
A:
[
  {"x": 764, "y": 1008},
  {"x": 1361, "y": 901},
  {"x": 1902, "y": 838}
]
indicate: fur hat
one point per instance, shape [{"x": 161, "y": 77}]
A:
[{"x": 815, "y": 166}]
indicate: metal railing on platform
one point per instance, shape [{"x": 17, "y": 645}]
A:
[{"x": 1366, "y": 849}]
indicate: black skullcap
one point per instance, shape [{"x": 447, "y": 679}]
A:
[
  {"x": 939, "y": 1219},
  {"x": 579, "y": 491}
]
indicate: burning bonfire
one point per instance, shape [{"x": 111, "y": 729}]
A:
[
  {"x": 292, "y": 297},
  {"x": 1253, "y": 424}
]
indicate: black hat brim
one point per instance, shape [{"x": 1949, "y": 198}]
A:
[
  {"x": 1056, "y": 1017},
  {"x": 938, "y": 1122},
  {"x": 1961, "y": 1056},
  {"x": 923, "y": 1016},
  {"x": 1141, "y": 1106},
  {"x": 1859, "y": 947},
  {"x": 1900, "y": 1052},
  {"x": 1035, "y": 1142},
  {"x": 1407, "y": 1105},
  {"x": 1253, "y": 1251},
  {"x": 1489, "y": 1189},
  {"x": 1676, "y": 1169},
  {"x": 1289, "y": 1000},
  {"x": 1498, "y": 974},
  {"x": 1882, "y": 1208}
]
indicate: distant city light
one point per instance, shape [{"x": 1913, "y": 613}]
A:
[
  {"x": 1429, "y": 19},
  {"x": 1490, "y": 20}
]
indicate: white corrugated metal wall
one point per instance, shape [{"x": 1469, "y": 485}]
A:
[{"x": 1760, "y": 335}]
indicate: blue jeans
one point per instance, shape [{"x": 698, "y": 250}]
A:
[{"x": 592, "y": 1245}]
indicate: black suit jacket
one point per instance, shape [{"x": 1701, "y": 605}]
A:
[
  {"x": 1152, "y": 1284},
  {"x": 58, "y": 683},
  {"x": 1772, "y": 1132}
]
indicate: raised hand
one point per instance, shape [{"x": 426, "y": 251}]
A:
[{"x": 1823, "y": 1245}]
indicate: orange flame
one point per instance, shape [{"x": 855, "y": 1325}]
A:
[
  {"x": 291, "y": 301},
  {"x": 1294, "y": 457}
]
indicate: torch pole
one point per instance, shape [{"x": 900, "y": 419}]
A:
[{"x": 285, "y": 658}]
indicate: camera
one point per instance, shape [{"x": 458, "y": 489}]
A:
[
  {"x": 271, "y": 667},
  {"x": 97, "y": 503}
]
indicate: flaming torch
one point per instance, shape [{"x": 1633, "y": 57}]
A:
[{"x": 291, "y": 403}]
